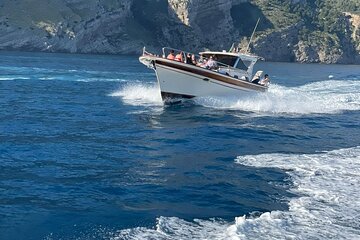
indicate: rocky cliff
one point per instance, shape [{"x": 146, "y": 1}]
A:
[{"x": 290, "y": 30}]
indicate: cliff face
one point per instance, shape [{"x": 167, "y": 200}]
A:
[
  {"x": 65, "y": 26},
  {"x": 285, "y": 32},
  {"x": 210, "y": 20},
  {"x": 353, "y": 23}
]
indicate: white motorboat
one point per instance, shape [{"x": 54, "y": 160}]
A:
[{"x": 232, "y": 74}]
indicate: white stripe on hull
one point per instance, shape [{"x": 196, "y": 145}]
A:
[{"x": 185, "y": 83}]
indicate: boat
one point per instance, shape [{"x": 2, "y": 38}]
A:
[{"x": 232, "y": 74}]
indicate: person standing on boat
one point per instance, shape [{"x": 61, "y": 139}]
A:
[{"x": 171, "y": 55}]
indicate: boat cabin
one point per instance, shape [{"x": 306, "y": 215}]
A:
[{"x": 235, "y": 64}]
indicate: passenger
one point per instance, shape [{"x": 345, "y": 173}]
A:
[
  {"x": 265, "y": 81},
  {"x": 188, "y": 59},
  {"x": 179, "y": 57},
  {"x": 210, "y": 64},
  {"x": 193, "y": 59},
  {"x": 171, "y": 55},
  {"x": 201, "y": 61},
  {"x": 256, "y": 78}
]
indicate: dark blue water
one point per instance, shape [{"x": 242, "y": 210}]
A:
[{"x": 88, "y": 149}]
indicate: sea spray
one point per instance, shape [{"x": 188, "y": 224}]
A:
[
  {"x": 326, "y": 97},
  {"x": 139, "y": 94}
]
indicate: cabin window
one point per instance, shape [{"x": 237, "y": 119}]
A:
[
  {"x": 226, "y": 60},
  {"x": 243, "y": 65},
  {"x": 247, "y": 63}
]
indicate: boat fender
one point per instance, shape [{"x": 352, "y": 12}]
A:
[{"x": 206, "y": 79}]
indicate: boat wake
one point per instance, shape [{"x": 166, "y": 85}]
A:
[
  {"x": 325, "y": 97},
  {"x": 326, "y": 207}
]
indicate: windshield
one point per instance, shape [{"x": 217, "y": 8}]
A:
[
  {"x": 225, "y": 59},
  {"x": 243, "y": 66}
]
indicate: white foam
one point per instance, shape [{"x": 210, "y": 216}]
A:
[
  {"x": 139, "y": 94},
  {"x": 13, "y": 78},
  {"x": 176, "y": 228},
  {"x": 47, "y": 78},
  {"x": 326, "y": 97},
  {"x": 326, "y": 205},
  {"x": 101, "y": 80},
  {"x": 6, "y": 79},
  {"x": 329, "y": 200}
]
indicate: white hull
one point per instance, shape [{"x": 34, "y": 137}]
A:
[
  {"x": 178, "y": 79},
  {"x": 179, "y": 82}
]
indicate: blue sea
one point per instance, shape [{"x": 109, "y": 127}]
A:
[{"x": 89, "y": 151}]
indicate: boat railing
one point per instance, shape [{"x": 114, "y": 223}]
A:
[
  {"x": 221, "y": 67},
  {"x": 144, "y": 52}
]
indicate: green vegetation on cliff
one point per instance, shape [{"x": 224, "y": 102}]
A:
[
  {"x": 322, "y": 15},
  {"x": 323, "y": 25}
]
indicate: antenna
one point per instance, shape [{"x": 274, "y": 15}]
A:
[
  {"x": 232, "y": 47},
  {"x": 252, "y": 35}
]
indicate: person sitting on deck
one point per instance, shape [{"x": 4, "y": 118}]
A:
[
  {"x": 179, "y": 57},
  {"x": 210, "y": 64},
  {"x": 171, "y": 55},
  {"x": 265, "y": 81},
  {"x": 193, "y": 59},
  {"x": 257, "y": 76},
  {"x": 201, "y": 61},
  {"x": 188, "y": 59}
]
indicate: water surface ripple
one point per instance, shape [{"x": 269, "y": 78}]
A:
[{"x": 89, "y": 151}]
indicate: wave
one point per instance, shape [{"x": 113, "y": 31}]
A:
[
  {"x": 327, "y": 206},
  {"x": 101, "y": 80},
  {"x": 176, "y": 228},
  {"x": 139, "y": 94},
  {"x": 13, "y": 78},
  {"x": 315, "y": 98},
  {"x": 65, "y": 78}
]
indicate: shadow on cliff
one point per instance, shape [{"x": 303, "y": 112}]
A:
[
  {"x": 156, "y": 26},
  {"x": 245, "y": 16},
  {"x": 147, "y": 16}
]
